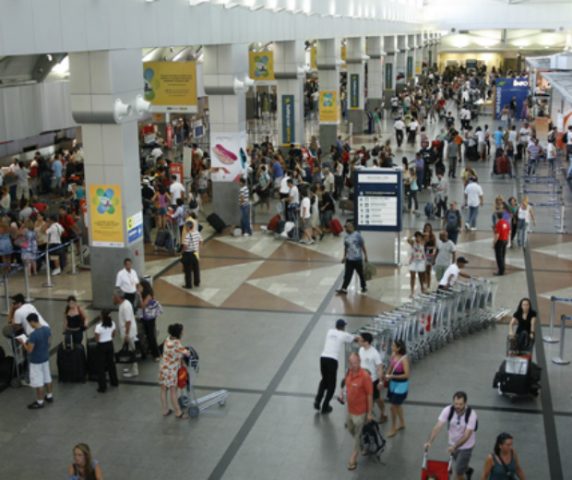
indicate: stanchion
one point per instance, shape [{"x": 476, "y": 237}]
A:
[
  {"x": 73, "y": 263},
  {"x": 48, "y": 283},
  {"x": 27, "y": 284},
  {"x": 6, "y": 295},
  {"x": 550, "y": 337},
  {"x": 560, "y": 360}
]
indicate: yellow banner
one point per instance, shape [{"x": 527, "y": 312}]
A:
[
  {"x": 329, "y": 106},
  {"x": 262, "y": 66},
  {"x": 313, "y": 58},
  {"x": 106, "y": 216},
  {"x": 170, "y": 84}
]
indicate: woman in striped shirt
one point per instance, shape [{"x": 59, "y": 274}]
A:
[
  {"x": 244, "y": 201},
  {"x": 191, "y": 241}
]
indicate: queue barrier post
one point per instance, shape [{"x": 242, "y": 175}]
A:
[
  {"x": 27, "y": 283},
  {"x": 73, "y": 261},
  {"x": 560, "y": 360},
  {"x": 550, "y": 338},
  {"x": 6, "y": 295},
  {"x": 48, "y": 283}
]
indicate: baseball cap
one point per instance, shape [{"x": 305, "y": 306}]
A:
[
  {"x": 341, "y": 323},
  {"x": 18, "y": 298},
  {"x": 462, "y": 260}
]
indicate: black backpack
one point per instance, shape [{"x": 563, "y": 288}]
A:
[
  {"x": 452, "y": 220},
  {"x": 467, "y": 415},
  {"x": 372, "y": 441}
]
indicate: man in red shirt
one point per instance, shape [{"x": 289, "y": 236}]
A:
[
  {"x": 502, "y": 234},
  {"x": 360, "y": 403}
]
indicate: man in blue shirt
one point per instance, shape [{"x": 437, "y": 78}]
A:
[
  {"x": 277, "y": 173},
  {"x": 38, "y": 347},
  {"x": 353, "y": 259},
  {"x": 499, "y": 138},
  {"x": 57, "y": 169}
]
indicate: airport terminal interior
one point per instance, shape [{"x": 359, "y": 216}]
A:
[{"x": 129, "y": 129}]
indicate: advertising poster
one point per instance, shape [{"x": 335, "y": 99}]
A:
[
  {"x": 228, "y": 157},
  {"x": 171, "y": 86},
  {"x": 389, "y": 76},
  {"x": 409, "y": 71},
  {"x": 506, "y": 90},
  {"x": 262, "y": 66},
  {"x": 354, "y": 91},
  {"x": 329, "y": 107},
  {"x": 313, "y": 58},
  {"x": 288, "y": 120},
  {"x": 134, "y": 227},
  {"x": 177, "y": 170},
  {"x": 106, "y": 216}
]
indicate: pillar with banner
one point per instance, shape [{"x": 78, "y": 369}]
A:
[
  {"x": 329, "y": 99},
  {"x": 355, "y": 61},
  {"x": 375, "y": 53},
  {"x": 389, "y": 68}
]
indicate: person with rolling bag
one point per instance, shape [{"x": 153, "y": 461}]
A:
[{"x": 105, "y": 356}]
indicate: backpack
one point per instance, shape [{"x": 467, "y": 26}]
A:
[
  {"x": 468, "y": 412},
  {"x": 372, "y": 441},
  {"x": 452, "y": 220}
]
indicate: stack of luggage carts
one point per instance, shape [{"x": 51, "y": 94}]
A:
[{"x": 430, "y": 321}]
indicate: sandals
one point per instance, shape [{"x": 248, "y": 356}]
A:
[
  {"x": 182, "y": 416},
  {"x": 352, "y": 466},
  {"x": 168, "y": 413}
]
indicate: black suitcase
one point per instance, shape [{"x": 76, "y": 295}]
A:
[
  {"x": 216, "y": 222},
  {"x": 6, "y": 371},
  {"x": 521, "y": 383},
  {"x": 92, "y": 354},
  {"x": 71, "y": 364}
]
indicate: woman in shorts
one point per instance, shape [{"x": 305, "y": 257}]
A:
[{"x": 417, "y": 261}]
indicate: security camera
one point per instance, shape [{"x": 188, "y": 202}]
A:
[
  {"x": 141, "y": 105},
  {"x": 121, "y": 110}
]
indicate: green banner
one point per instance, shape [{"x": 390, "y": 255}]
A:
[
  {"x": 288, "y": 120},
  {"x": 389, "y": 76},
  {"x": 354, "y": 91},
  {"x": 409, "y": 74}
]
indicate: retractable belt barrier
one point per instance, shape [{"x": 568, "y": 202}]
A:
[
  {"x": 560, "y": 359},
  {"x": 550, "y": 338}
]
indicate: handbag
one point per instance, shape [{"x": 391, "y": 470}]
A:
[
  {"x": 182, "y": 377},
  {"x": 125, "y": 355},
  {"x": 398, "y": 388},
  {"x": 369, "y": 271}
]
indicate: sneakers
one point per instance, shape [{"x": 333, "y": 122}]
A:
[
  {"x": 246, "y": 234},
  {"x": 49, "y": 399},
  {"x": 327, "y": 409},
  {"x": 56, "y": 271},
  {"x": 317, "y": 405},
  {"x": 341, "y": 291},
  {"x": 35, "y": 406},
  {"x": 363, "y": 291},
  {"x": 130, "y": 374}
]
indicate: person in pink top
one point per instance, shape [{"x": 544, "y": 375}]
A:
[{"x": 462, "y": 423}]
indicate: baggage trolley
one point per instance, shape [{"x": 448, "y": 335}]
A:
[
  {"x": 189, "y": 400},
  {"x": 20, "y": 363},
  {"x": 435, "y": 469}
]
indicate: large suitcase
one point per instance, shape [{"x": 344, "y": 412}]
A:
[
  {"x": 71, "y": 363},
  {"x": 92, "y": 360},
  {"x": 216, "y": 222},
  {"x": 274, "y": 223},
  {"x": 517, "y": 376},
  {"x": 336, "y": 227}
]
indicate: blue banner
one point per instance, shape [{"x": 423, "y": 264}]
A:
[
  {"x": 288, "y": 120},
  {"x": 508, "y": 89},
  {"x": 388, "y": 76}
]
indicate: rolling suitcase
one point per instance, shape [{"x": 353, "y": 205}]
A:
[
  {"x": 216, "y": 222},
  {"x": 71, "y": 363},
  {"x": 502, "y": 165},
  {"x": 517, "y": 377},
  {"x": 336, "y": 227},
  {"x": 274, "y": 223}
]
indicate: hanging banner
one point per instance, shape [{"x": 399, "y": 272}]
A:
[
  {"x": 228, "y": 157},
  {"x": 506, "y": 90},
  {"x": 171, "y": 86},
  {"x": 329, "y": 107},
  {"x": 409, "y": 71},
  {"x": 288, "y": 120},
  {"x": 106, "y": 216},
  {"x": 389, "y": 76},
  {"x": 354, "y": 91},
  {"x": 177, "y": 170},
  {"x": 314, "y": 58},
  {"x": 262, "y": 66},
  {"x": 344, "y": 57}
]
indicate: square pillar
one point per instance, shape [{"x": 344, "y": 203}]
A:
[
  {"x": 390, "y": 67},
  {"x": 356, "y": 84},
  {"x": 374, "y": 50},
  {"x": 329, "y": 80}
]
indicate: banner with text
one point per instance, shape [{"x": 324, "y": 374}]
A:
[
  {"x": 106, "y": 216},
  {"x": 262, "y": 66},
  {"x": 329, "y": 107},
  {"x": 354, "y": 91},
  {"x": 171, "y": 86},
  {"x": 509, "y": 89},
  {"x": 288, "y": 120}
]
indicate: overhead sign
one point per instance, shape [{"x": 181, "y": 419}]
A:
[
  {"x": 508, "y": 89},
  {"x": 171, "y": 86},
  {"x": 288, "y": 120},
  {"x": 262, "y": 66},
  {"x": 106, "y": 216},
  {"x": 379, "y": 199},
  {"x": 134, "y": 227},
  {"x": 354, "y": 91},
  {"x": 329, "y": 107}
]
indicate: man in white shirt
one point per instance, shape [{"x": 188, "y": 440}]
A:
[
  {"x": 473, "y": 200},
  {"x": 453, "y": 272},
  {"x": 177, "y": 190},
  {"x": 293, "y": 200},
  {"x": 523, "y": 140},
  {"x": 329, "y": 180},
  {"x": 17, "y": 317},
  {"x": 335, "y": 339},
  {"x": 127, "y": 328},
  {"x": 305, "y": 214},
  {"x": 551, "y": 155},
  {"x": 399, "y": 127},
  {"x": 54, "y": 232},
  {"x": 127, "y": 281},
  {"x": 372, "y": 361}
]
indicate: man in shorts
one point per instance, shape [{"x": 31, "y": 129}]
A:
[
  {"x": 462, "y": 423},
  {"x": 38, "y": 347}
]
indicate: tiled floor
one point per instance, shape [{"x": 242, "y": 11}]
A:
[{"x": 258, "y": 321}]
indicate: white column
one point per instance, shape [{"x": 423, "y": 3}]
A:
[
  {"x": 401, "y": 62},
  {"x": 390, "y": 67},
  {"x": 225, "y": 76},
  {"x": 329, "y": 80},
  {"x": 289, "y": 72},
  {"x": 374, "y": 50},
  {"x": 411, "y": 58},
  {"x": 356, "y": 84}
]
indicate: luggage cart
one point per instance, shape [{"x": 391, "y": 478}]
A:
[
  {"x": 435, "y": 469},
  {"x": 189, "y": 400},
  {"x": 20, "y": 363}
]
